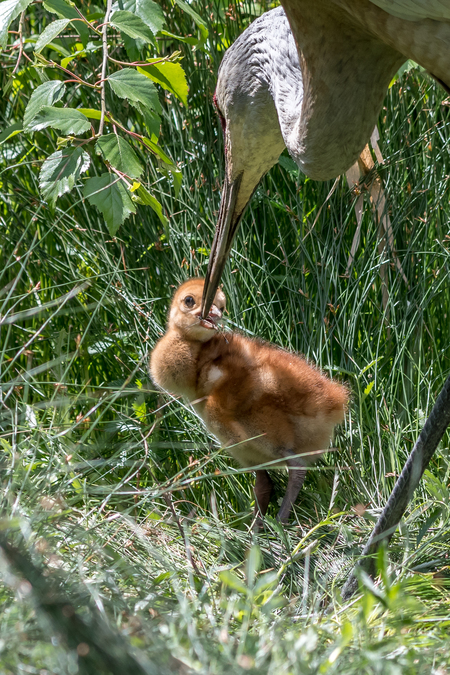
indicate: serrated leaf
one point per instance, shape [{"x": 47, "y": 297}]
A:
[
  {"x": 132, "y": 25},
  {"x": 198, "y": 19},
  {"x": 46, "y": 94},
  {"x": 150, "y": 12},
  {"x": 49, "y": 33},
  {"x": 129, "y": 84},
  {"x": 10, "y": 131},
  {"x": 109, "y": 195},
  {"x": 170, "y": 76},
  {"x": 149, "y": 200},
  {"x": 9, "y": 10},
  {"x": 66, "y": 120},
  {"x": 119, "y": 153},
  {"x": 60, "y": 171},
  {"x": 65, "y": 11}
]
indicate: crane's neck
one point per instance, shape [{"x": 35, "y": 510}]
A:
[
  {"x": 322, "y": 105},
  {"x": 345, "y": 79}
]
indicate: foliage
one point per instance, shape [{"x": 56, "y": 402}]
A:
[
  {"x": 73, "y": 81},
  {"x": 134, "y": 515}
]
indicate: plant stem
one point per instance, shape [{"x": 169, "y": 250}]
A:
[
  {"x": 22, "y": 18},
  {"x": 104, "y": 64}
]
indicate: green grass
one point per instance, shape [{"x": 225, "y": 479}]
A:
[{"x": 114, "y": 488}]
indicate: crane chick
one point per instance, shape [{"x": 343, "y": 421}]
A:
[{"x": 264, "y": 404}]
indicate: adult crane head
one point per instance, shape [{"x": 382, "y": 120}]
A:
[{"x": 315, "y": 85}]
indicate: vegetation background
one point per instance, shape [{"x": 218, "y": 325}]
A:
[{"x": 131, "y": 546}]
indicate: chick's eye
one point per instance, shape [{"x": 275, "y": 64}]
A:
[{"x": 189, "y": 301}]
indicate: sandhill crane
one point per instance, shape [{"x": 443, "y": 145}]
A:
[
  {"x": 264, "y": 404},
  {"x": 312, "y": 77}
]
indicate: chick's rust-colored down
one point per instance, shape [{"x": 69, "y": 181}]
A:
[{"x": 264, "y": 404}]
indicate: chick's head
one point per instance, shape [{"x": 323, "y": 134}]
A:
[{"x": 185, "y": 311}]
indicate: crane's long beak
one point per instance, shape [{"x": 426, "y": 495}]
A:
[{"x": 227, "y": 225}]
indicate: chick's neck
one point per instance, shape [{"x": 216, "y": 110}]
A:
[{"x": 181, "y": 362}]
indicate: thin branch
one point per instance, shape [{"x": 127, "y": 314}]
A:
[
  {"x": 53, "y": 64},
  {"x": 19, "y": 58},
  {"x": 165, "y": 59},
  {"x": 104, "y": 64}
]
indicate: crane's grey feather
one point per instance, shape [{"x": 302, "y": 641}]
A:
[{"x": 413, "y": 10}]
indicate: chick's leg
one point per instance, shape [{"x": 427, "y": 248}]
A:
[
  {"x": 263, "y": 491},
  {"x": 296, "y": 479}
]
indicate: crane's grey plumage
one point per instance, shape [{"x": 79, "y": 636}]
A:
[{"x": 312, "y": 78}]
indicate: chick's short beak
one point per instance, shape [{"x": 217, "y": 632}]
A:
[{"x": 212, "y": 319}]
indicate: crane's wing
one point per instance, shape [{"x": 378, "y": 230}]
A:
[{"x": 415, "y": 10}]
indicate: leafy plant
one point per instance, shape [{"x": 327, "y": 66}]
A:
[{"x": 106, "y": 109}]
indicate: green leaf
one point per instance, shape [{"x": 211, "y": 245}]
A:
[
  {"x": 49, "y": 33},
  {"x": 46, "y": 94},
  {"x": 253, "y": 564},
  {"x": 109, "y": 195},
  {"x": 67, "y": 120},
  {"x": 198, "y": 20},
  {"x": 231, "y": 580},
  {"x": 150, "y": 13},
  {"x": 188, "y": 40},
  {"x": 92, "y": 114},
  {"x": 9, "y": 10},
  {"x": 288, "y": 164},
  {"x": 129, "y": 84},
  {"x": 79, "y": 52},
  {"x": 119, "y": 153},
  {"x": 177, "y": 181},
  {"x": 176, "y": 174},
  {"x": 152, "y": 123},
  {"x": 170, "y": 76},
  {"x": 405, "y": 68},
  {"x": 132, "y": 25},
  {"x": 159, "y": 153},
  {"x": 60, "y": 171},
  {"x": 149, "y": 200},
  {"x": 65, "y": 11},
  {"x": 54, "y": 46},
  {"x": 368, "y": 389},
  {"x": 10, "y": 131},
  {"x": 133, "y": 47}
]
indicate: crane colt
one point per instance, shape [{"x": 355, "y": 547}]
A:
[{"x": 264, "y": 404}]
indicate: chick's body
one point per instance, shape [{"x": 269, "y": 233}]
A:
[{"x": 264, "y": 404}]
